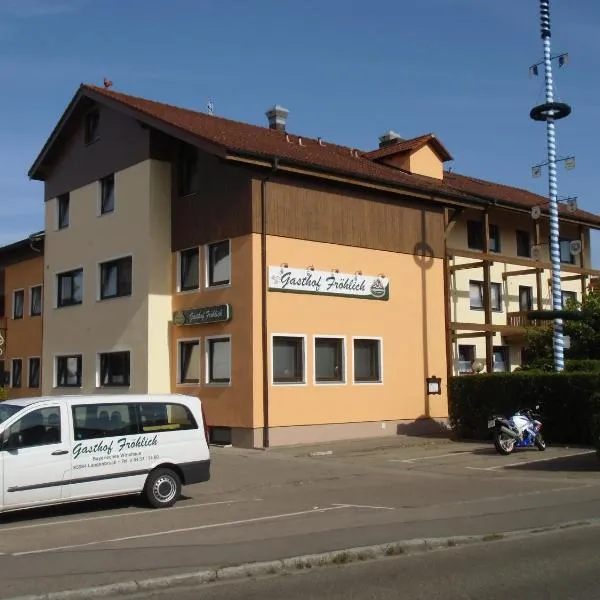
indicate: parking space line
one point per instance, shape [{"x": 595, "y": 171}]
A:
[
  {"x": 366, "y": 506},
  {"x": 412, "y": 460},
  {"x": 120, "y": 515},
  {"x": 528, "y": 462},
  {"x": 182, "y": 530}
]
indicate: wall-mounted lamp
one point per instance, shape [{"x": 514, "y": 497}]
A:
[
  {"x": 382, "y": 275},
  {"x": 358, "y": 272},
  {"x": 284, "y": 265},
  {"x": 434, "y": 385},
  {"x": 310, "y": 268},
  {"x": 335, "y": 270}
]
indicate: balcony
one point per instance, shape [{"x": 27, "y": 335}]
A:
[{"x": 521, "y": 319}]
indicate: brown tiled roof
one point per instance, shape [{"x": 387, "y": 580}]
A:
[
  {"x": 407, "y": 145},
  {"x": 253, "y": 140}
]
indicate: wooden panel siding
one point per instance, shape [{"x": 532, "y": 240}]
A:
[{"x": 303, "y": 210}]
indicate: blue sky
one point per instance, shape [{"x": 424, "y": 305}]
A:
[{"x": 347, "y": 70}]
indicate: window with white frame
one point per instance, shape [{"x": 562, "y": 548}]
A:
[
  {"x": 367, "y": 360},
  {"x": 218, "y": 359},
  {"x": 16, "y": 373},
  {"x": 329, "y": 360},
  {"x": 115, "y": 369},
  {"x": 189, "y": 361},
  {"x": 62, "y": 216},
  {"x": 35, "y": 301},
  {"x": 70, "y": 288},
  {"x": 18, "y": 304},
  {"x": 288, "y": 359},
  {"x": 189, "y": 269},
  {"x": 567, "y": 297},
  {"x": 34, "y": 372},
  {"x": 116, "y": 278},
  {"x": 68, "y": 370},
  {"x": 107, "y": 194},
  {"x": 219, "y": 264},
  {"x": 501, "y": 362}
]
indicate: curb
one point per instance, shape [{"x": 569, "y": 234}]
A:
[{"x": 296, "y": 563}]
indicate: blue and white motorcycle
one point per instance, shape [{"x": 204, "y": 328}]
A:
[{"x": 522, "y": 430}]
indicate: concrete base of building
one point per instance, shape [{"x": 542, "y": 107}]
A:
[{"x": 331, "y": 432}]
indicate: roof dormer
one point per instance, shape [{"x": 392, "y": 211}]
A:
[{"x": 423, "y": 155}]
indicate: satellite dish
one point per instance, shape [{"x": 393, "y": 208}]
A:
[
  {"x": 570, "y": 163},
  {"x": 536, "y": 252},
  {"x": 575, "y": 247},
  {"x": 572, "y": 204},
  {"x": 536, "y": 212}
]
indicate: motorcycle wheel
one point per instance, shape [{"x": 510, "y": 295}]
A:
[
  {"x": 540, "y": 442},
  {"x": 503, "y": 443}
]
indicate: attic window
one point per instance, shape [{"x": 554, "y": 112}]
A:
[{"x": 92, "y": 121}]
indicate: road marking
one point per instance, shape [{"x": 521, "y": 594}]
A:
[
  {"x": 366, "y": 506},
  {"x": 120, "y": 515},
  {"x": 182, "y": 530},
  {"x": 412, "y": 460},
  {"x": 529, "y": 462}
]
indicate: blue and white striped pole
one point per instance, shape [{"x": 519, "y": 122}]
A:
[{"x": 558, "y": 342}]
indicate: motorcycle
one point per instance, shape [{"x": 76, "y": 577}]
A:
[{"x": 522, "y": 430}]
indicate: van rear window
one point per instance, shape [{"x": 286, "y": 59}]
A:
[{"x": 92, "y": 421}]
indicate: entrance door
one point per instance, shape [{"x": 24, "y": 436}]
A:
[{"x": 36, "y": 458}]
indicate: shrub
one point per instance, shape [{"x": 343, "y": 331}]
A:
[
  {"x": 585, "y": 365},
  {"x": 3, "y": 394},
  {"x": 569, "y": 403}
]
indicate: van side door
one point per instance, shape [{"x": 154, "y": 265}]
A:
[{"x": 36, "y": 458}]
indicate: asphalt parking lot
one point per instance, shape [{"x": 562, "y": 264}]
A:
[{"x": 283, "y": 502}]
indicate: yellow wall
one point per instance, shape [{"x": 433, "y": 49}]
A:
[
  {"x": 411, "y": 325},
  {"x": 140, "y": 227},
  {"x": 423, "y": 161},
  {"x": 23, "y": 336}
]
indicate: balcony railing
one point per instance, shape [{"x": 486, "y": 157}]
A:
[{"x": 521, "y": 319}]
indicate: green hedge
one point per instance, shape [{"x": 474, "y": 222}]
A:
[
  {"x": 569, "y": 403},
  {"x": 586, "y": 365}
]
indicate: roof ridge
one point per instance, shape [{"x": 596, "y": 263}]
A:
[{"x": 504, "y": 185}]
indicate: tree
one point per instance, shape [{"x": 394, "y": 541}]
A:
[{"x": 584, "y": 335}]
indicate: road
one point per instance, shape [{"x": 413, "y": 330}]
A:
[
  {"x": 287, "y": 502},
  {"x": 562, "y": 565}
]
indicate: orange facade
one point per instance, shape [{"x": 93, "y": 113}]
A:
[{"x": 23, "y": 290}]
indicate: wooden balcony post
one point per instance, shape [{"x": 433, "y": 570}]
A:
[
  {"x": 447, "y": 300},
  {"x": 487, "y": 293},
  {"x": 538, "y": 275}
]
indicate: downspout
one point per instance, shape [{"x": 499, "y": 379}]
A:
[{"x": 263, "y": 264}]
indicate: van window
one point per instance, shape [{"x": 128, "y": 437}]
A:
[
  {"x": 166, "y": 417},
  {"x": 37, "y": 428},
  {"x": 92, "y": 421},
  {"x": 7, "y": 410}
]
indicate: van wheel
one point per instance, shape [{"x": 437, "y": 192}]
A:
[{"x": 163, "y": 488}]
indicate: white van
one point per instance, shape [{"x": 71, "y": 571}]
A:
[{"x": 70, "y": 448}]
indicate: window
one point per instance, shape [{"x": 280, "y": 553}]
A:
[
  {"x": 475, "y": 236},
  {"x": 114, "y": 369},
  {"x": 40, "y": 427},
  {"x": 68, "y": 371},
  {"x": 17, "y": 372},
  {"x": 92, "y": 121},
  {"x": 367, "y": 361},
  {"x": 189, "y": 269},
  {"x": 189, "y": 361},
  {"x": 166, "y": 417},
  {"x": 523, "y": 243},
  {"x": 218, "y": 360},
  {"x": 466, "y": 356},
  {"x": 63, "y": 211},
  {"x": 565, "y": 252},
  {"x": 18, "y": 302},
  {"x": 70, "y": 288},
  {"x": 187, "y": 170},
  {"x": 34, "y": 373},
  {"x": 94, "y": 421},
  {"x": 288, "y": 359},
  {"x": 107, "y": 194},
  {"x": 501, "y": 363},
  {"x": 329, "y": 360},
  {"x": 476, "y": 295},
  {"x": 115, "y": 278},
  {"x": 495, "y": 245},
  {"x": 525, "y": 298},
  {"x": 568, "y": 296},
  {"x": 4, "y": 375},
  {"x": 219, "y": 264},
  {"x": 35, "y": 301}
]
